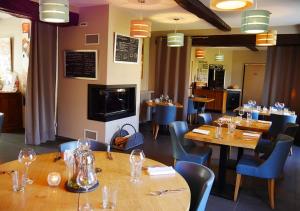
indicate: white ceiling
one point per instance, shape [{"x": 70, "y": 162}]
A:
[
  {"x": 4, "y": 15},
  {"x": 284, "y": 12}
]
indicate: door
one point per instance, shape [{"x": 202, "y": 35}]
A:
[{"x": 253, "y": 83}]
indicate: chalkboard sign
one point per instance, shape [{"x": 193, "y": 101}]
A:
[
  {"x": 81, "y": 64},
  {"x": 126, "y": 49}
]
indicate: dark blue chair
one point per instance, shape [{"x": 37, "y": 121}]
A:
[
  {"x": 204, "y": 119},
  {"x": 200, "y": 180},
  {"x": 72, "y": 145},
  {"x": 278, "y": 123},
  {"x": 184, "y": 152},
  {"x": 269, "y": 169},
  {"x": 1, "y": 121},
  {"x": 191, "y": 111},
  {"x": 164, "y": 115},
  {"x": 255, "y": 115}
]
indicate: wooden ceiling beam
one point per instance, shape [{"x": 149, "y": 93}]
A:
[
  {"x": 200, "y": 10},
  {"x": 29, "y": 9}
]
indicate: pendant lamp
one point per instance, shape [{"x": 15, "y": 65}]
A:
[
  {"x": 230, "y": 5},
  {"x": 54, "y": 11},
  {"x": 199, "y": 53},
  {"x": 175, "y": 39},
  {"x": 219, "y": 57},
  {"x": 140, "y": 28},
  {"x": 255, "y": 21},
  {"x": 267, "y": 39}
]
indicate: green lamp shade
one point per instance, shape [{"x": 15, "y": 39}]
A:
[
  {"x": 175, "y": 39},
  {"x": 255, "y": 21},
  {"x": 54, "y": 11},
  {"x": 220, "y": 57}
]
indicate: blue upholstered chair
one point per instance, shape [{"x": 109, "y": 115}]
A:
[
  {"x": 278, "y": 123},
  {"x": 191, "y": 111},
  {"x": 204, "y": 119},
  {"x": 71, "y": 145},
  {"x": 269, "y": 169},
  {"x": 183, "y": 152},
  {"x": 255, "y": 115},
  {"x": 164, "y": 115},
  {"x": 200, "y": 180},
  {"x": 1, "y": 121}
]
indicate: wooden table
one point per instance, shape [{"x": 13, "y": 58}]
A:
[
  {"x": 237, "y": 139},
  {"x": 39, "y": 196},
  {"x": 202, "y": 99},
  {"x": 263, "y": 112},
  {"x": 253, "y": 125},
  {"x": 153, "y": 104}
]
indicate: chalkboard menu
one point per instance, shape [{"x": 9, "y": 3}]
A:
[
  {"x": 81, "y": 64},
  {"x": 126, "y": 49}
]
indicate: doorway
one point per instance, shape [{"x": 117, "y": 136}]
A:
[{"x": 253, "y": 82}]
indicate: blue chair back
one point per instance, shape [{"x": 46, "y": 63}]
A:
[
  {"x": 191, "y": 108},
  {"x": 291, "y": 129},
  {"x": 205, "y": 118},
  {"x": 177, "y": 130},
  {"x": 273, "y": 166},
  {"x": 72, "y": 145},
  {"x": 200, "y": 180},
  {"x": 1, "y": 121},
  {"x": 164, "y": 114},
  {"x": 279, "y": 121},
  {"x": 255, "y": 115}
]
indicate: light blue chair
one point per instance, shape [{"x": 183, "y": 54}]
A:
[
  {"x": 72, "y": 145},
  {"x": 269, "y": 169},
  {"x": 183, "y": 151},
  {"x": 200, "y": 180},
  {"x": 204, "y": 119},
  {"x": 164, "y": 115},
  {"x": 191, "y": 111},
  {"x": 1, "y": 121}
]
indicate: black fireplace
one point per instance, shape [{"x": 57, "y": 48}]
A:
[{"x": 111, "y": 102}]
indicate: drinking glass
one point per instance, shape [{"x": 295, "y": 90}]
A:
[
  {"x": 27, "y": 156},
  {"x": 249, "y": 116},
  {"x": 18, "y": 180},
  {"x": 109, "y": 197},
  {"x": 136, "y": 159},
  {"x": 241, "y": 113}
]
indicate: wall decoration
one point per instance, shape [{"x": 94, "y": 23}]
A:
[
  {"x": 126, "y": 49},
  {"x": 5, "y": 55}
]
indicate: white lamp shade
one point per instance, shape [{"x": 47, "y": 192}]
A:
[
  {"x": 175, "y": 39},
  {"x": 220, "y": 57},
  {"x": 199, "y": 53},
  {"x": 230, "y": 5},
  {"x": 255, "y": 21},
  {"x": 54, "y": 11},
  {"x": 140, "y": 28},
  {"x": 267, "y": 39}
]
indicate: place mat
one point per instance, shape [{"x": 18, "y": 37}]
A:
[
  {"x": 204, "y": 132},
  {"x": 251, "y": 134}
]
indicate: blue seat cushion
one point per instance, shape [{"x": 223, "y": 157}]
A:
[
  {"x": 248, "y": 165},
  {"x": 197, "y": 154}
]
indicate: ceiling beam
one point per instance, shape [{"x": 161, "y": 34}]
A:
[
  {"x": 200, "y": 10},
  {"x": 29, "y": 9}
]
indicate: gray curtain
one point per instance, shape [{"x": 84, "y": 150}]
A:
[
  {"x": 40, "y": 92},
  {"x": 172, "y": 72}
]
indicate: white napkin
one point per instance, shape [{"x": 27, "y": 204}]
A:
[
  {"x": 170, "y": 104},
  {"x": 153, "y": 171},
  {"x": 204, "y": 132},
  {"x": 251, "y": 134},
  {"x": 264, "y": 122}
]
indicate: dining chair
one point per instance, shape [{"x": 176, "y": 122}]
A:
[
  {"x": 204, "y": 119},
  {"x": 269, "y": 169},
  {"x": 278, "y": 123},
  {"x": 164, "y": 115},
  {"x": 1, "y": 121},
  {"x": 191, "y": 111},
  {"x": 184, "y": 152},
  {"x": 200, "y": 180},
  {"x": 72, "y": 145}
]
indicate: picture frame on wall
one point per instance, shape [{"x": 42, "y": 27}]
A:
[
  {"x": 5, "y": 54},
  {"x": 126, "y": 49}
]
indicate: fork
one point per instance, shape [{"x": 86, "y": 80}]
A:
[{"x": 161, "y": 192}]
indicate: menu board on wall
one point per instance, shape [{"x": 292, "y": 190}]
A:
[
  {"x": 81, "y": 64},
  {"x": 126, "y": 49}
]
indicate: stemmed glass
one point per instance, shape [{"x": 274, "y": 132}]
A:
[
  {"x": 136, "y": 159},
  {"x": 27, "y": 156},
  {"x": 277, "y": 105},
  {"x": 281, "y": 106},
  {"x": 241, "y": 113}
]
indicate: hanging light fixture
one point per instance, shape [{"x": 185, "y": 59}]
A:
[
  {"x": 267, "y": 39},
  {"x": 199, "y": 53},
  {"x": 140, "y": 28},
  {"x": 54, "y": 11},
  {"x": 219, "y": 57},
  {"x": 175, "y": 39},
  {"x": 230, "y": 5}
]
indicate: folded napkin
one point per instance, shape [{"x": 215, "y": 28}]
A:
[
  {"x": 204, "y": 132},
  {"x": 170, "y": 104},
  {"x": 251, "y": 134},
  {"x": 153, "y": 171},
  {"x": 264, "y": 122}
]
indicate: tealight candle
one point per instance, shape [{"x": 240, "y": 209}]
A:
[{"x": 53, "y": 179}]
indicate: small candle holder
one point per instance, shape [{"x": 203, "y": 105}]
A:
[{"x": 53, "y": 179}]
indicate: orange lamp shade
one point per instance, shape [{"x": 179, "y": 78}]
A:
[
  {"x": 199, "y": 53},
  {"x": 140, "y": 28},
  {"x": 25, "y": 27},
  {"x": 267, "y": 39}
]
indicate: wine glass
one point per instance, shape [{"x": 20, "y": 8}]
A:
[
  {"x": 281, "y": 106},
  {"x": 27, "y": 156},
  {"x": 277, "y": 105},
  {"x": 136, "y": 159},
  {"x": 241, "y": 113}
]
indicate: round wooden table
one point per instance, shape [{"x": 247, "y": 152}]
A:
[{"x": 39, "y": 196}]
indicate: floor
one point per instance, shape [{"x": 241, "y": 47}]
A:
[{"x": 253, "y": 193}]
